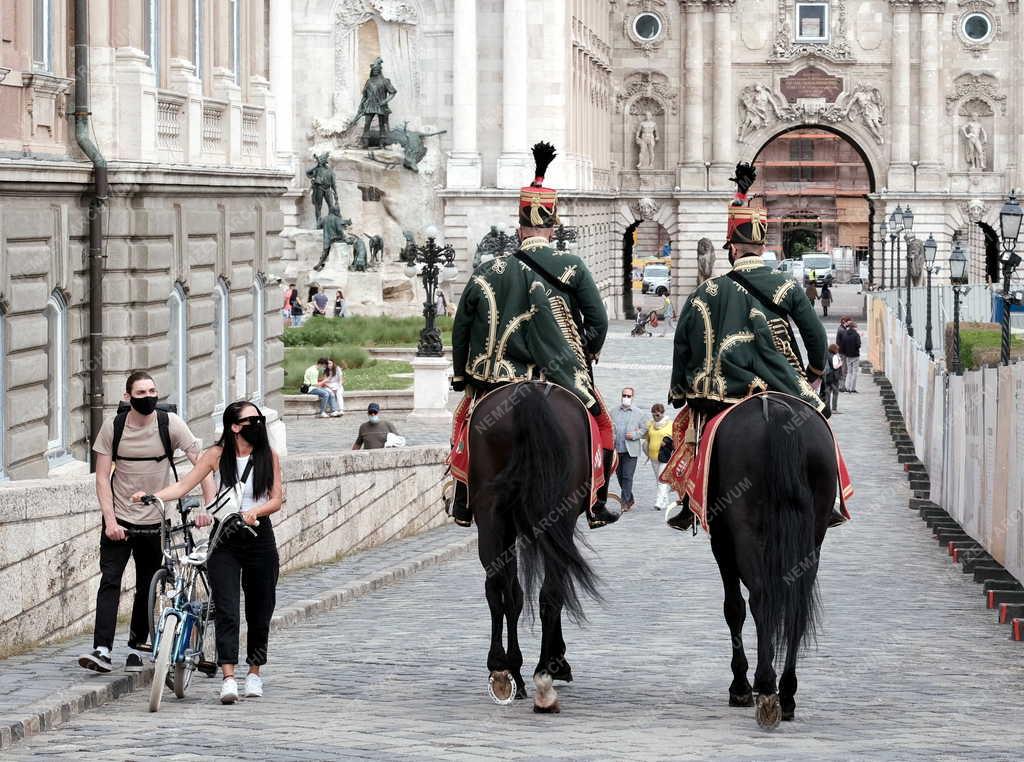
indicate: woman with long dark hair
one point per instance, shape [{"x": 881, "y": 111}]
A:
[{"x": 243, "y": 460}]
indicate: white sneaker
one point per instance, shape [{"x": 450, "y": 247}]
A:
[
  {"x": 324, "y": 415},
  {"x": 253, "y": 685},
  {"x": 336, "y": 414},
  {"x": 228, "y": 691}
]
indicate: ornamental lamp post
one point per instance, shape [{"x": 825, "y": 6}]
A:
[
  {"x": 884, "y": 230},
  {"x": 958, "y": 278},
  {"x": 908, "y": 231},
  {"x": 895, "y": 228},
  {"x": 930, "y": 249},
  {"x": 1009, "y": 229},
  {"x": 434, "y": 264}
]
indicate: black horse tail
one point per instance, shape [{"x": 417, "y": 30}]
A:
[
  {"x": 534, "y": 487},
  {"x": 790, "y": 554}
]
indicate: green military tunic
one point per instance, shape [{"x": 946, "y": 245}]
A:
[
  {"x": 725, "y": 349},
  {"x": 505, "y": 331}
]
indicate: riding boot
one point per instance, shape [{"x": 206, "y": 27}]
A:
[
  {"x": 599, "y": 515},
  {"x": 680, "y": 516},
  {"x": 837, "y": 517},
  {"x": 459, "y": 507}
]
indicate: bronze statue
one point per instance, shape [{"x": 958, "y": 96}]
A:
[
  {"x": 705, "y": 260},
  {"x": 494, "y": 244},
  {"x": 408, "y": 252},
  {"x": 323, "y": 188},
  {"x": 334, "y": 230},
  {"x": 413, "y": 147},
  {"x": 485, "y": 246},
  {"x": 376, "y": 250},
  {"x": 377, "y": 93},
  {"x": 358, "y": 253}
]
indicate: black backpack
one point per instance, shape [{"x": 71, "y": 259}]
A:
[{"x": 162, "y": 424}]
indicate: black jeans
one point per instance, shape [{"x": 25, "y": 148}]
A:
[
  {"x": 253, "y": 561},
  {"x": 145, "y": 549}
]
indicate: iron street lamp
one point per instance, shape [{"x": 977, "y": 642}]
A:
[
  {"x": 895, "y": 228},
  {"x": 1009, "y": 228},
  {"x": 908, "y": 231},
  {"x": 958, "y": 278},
  {"x": 884, "y": 230},
  {"x": 433, "y": 263},
  {"x": 930, "y": 248}
]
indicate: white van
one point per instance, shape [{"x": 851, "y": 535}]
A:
[
  {"x": 794, "y": 268},
  {"x": 822, "y": 267}
]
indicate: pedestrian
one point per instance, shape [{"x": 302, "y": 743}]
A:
[
  {"x": 373, "y": 433},
  {"x": 319, "y": 303},
  {"x": 629, "y": 425},
  {"x": 832, "y": 379},
  {"x": 339, "y": 304},
  {"x": 314, "y": 382},
  {"x": 244, "y": 462},
  {"x": 812, "y": 292},
  {"x": 826, "y": 299},
  {"x": 297, "y": 309},
  {"x": 334, "y": 383},
  {"x": 850, "y": 350},
  {"x": 668, "y": 315},
  {"x": 440, "y": 303},
  {"x": 658, "y": 429},
  {"x": 142, "y": 441},
  {"x": 286, "y": 307}
]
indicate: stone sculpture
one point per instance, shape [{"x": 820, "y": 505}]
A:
[
  {"x": 335, "y": 229},
  {"x": 647, "y": 139},
  {"x": 377, "y": 93},
  {"x": 867, "y": 101},
  {"x": 760, "y": 107},
  {"x": 975, "y": 138},
  {"x": 323, "y": 190},
  {"x": 705, "y": 260},
  {"x": 915, "y": 256}
]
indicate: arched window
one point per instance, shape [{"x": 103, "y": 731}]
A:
[
  {"x": 57, "y": 377},
  {"x": 177, "y": 361},
  {"x": 221, "y": 345},
  {"x": 259, "y": 333},
  {"x": 3, "y": 395}
]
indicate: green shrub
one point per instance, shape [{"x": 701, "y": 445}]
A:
[{"x": 362, "y": 332}]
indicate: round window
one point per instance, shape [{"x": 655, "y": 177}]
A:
[
  {"x": 977, "y": 27},
  {"x": 647, "y": 26}
]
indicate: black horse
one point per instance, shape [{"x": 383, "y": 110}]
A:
[
  {"x": 529, "y": 476},
  {"x": 770, "y": 495}
]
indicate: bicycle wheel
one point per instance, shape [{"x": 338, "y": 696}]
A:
[
  {"x": 163, "y": 662},
  {"x": 183, "y": 670},
  {"x": 160, "y": 588},
  {"x": 206, "y": 644}
]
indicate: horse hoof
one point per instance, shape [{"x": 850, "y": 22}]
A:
[
  {"x": 562, "y": 673},
  {"x": 553, "y": 709},
  {"x": 768, "y": 712},
  {"x": 745, "y": 699},
  {"x": 500, "y": 688},
  {"x": 545, "y": 700},
  {"x": 788, "y": 716}
]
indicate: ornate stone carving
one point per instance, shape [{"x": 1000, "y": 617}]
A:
[
  {"x": 761, "y": 107},
  {"x": 968, "y": 86},
  {"x": 836, "y": 50},
  {"x": 705, "y": 259},
  {"x": 975, "y": 140},
  {"x": 647, "y": 139},
  {"x": 352, "y": 13},
  {"x": 635, "y": 7},
  {"x": 645, "y": 208},
  {"x": 977, "y": 48},
  {"x": 646, "y": 84},
  {"x": 974, "y": 210}
]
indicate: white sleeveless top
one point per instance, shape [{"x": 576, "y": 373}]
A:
[{"x": 248, "y": 500}]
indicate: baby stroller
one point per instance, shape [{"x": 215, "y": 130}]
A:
[{"x": 643, "y": 320}]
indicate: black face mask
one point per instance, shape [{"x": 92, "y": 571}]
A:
[
  {"x": 253, "y": 433},
  {"x": 143, "y": 405}
]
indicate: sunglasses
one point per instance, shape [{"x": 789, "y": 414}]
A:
[{"x": 255, "y": 420}]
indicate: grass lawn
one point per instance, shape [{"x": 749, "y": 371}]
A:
[
  {"x": 377, "y": 375},
  {"x": 980, "y": 344},
  {"x": 360, "y": 372},
  {"x": 362, "y": 332}
]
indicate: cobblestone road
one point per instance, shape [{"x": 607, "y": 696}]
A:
[{"x": 909, "y": 664}]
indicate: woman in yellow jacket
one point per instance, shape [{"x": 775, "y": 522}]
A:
[{"x": 659, "y": 427}]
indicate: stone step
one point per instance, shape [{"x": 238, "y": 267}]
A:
[
  {"x": 1010, "y": 611},
  {"x": 918, "y": 505},
  {"x": 965, "y": 551},
  {"x": 978, "y": 561},
  {"x": 920, "y": 485},
  {"x": 1002, "y": 584},
  {"x": 984, "y": 573},
  {"x": 943, "y": 536},
  {"x": 908, "y": 458},
  {"x": 994, "y": 597}
]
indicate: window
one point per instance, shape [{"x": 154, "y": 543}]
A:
[
  {"x": 177, "y": 364},
  {"x": 151, "y": 27},
  {"x": 977, "y": 27},
  {"x": 221, "y": 345},
  {"x": 647, "y": 26},
  {"x": 3, "y": 396},
  {"x": 801, "y": 149},
  {"x": 42, "y": 35},
  {"x": 236, "y": 39},
  {"x": 56, "y": 383},
  {"x": 812, "y": 22},
  {"x": 198, "y": 36},
  {"x": 259, "y": 332}
]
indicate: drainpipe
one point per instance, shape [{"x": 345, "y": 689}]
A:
[{"x": 99, "y": 197}]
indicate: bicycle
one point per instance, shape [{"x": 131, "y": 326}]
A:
[{"x": 180, "y": 592}]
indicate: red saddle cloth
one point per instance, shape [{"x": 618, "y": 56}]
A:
[
  {"x": 458, "y": 459},
  {"x": 689, "y": 476}
]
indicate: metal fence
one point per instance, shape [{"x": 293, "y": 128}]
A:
[{"x": 968, "y": 431}]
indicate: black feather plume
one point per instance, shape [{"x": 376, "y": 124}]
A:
[
  {"x": 543, "y": 155},
  {"x": 991, "y": 252},
  {"x": 745, "y": 177}
]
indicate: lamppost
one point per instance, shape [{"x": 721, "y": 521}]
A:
[
  {"x": 884, "y": 230},
  {"x": 1009, "y": 228},
  {"x": 895, "y": 228},
  {"x": 433, "y": 263},
  {"x": 563, "y": 236},
  {"x": 930, "y": 247},
  {"x": 908, "y": 231},
  {"x": 958, "y": 278}
]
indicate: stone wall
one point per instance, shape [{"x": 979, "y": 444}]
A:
[{"x": 334, "y": 504}]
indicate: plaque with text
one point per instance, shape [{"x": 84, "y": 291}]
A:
[{"x": 811, "y": 82}]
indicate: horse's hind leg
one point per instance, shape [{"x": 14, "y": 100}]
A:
[
  {"x": 552, "y": 657},
  {"x": 501, "y": 684},
  {"x": 513, "y": 608},
  {"x": 788, "y": 681},
  {"x": 740, "y": 692},
  {"x": 768, "y": 710}
]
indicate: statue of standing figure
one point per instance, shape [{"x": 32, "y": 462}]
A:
[
  {"x": 377, "y": 93},
  {"x": 359, "y": 259},
  {"x": 975, "y": 139},
  {"x": 324, "y": 191},
  {"x": 646, "y": 138},
  {"x": 334, "y": 230}
]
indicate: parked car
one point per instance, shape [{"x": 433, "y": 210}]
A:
[
  {"x": 794, "y": 268},
  {"x": 822, "y": 266},
  {"x": 656, "y": 280}
]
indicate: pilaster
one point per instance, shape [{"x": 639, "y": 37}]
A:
[
  {"x": 514, "y": 162},
  {"x": 692, "y": 172}
]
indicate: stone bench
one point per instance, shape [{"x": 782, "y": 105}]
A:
[{"x": 390, "y": 400}]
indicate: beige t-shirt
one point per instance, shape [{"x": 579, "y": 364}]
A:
[{"x": 131, "y": 476}]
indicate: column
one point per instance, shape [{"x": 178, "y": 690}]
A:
[
  {"x": 464, "y": 159},
  {"x": 929, "y": 146},
  {"x": 724, "y": 146},
  {"x": 281, "y": 74},
  {"x": 514, "y": 162},
  {"x": 692, "y": 149},
  {"x": 900, "y": 173}
]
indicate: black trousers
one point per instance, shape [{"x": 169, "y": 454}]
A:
[
  {"x": 253, "y": 562},
  {"x": 145, "y": 549}
]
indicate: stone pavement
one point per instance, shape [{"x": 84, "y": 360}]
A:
[{"x": 909, "y": 664}]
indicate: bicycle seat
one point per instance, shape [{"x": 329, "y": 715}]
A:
[{"x": 195, "y": 558}]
